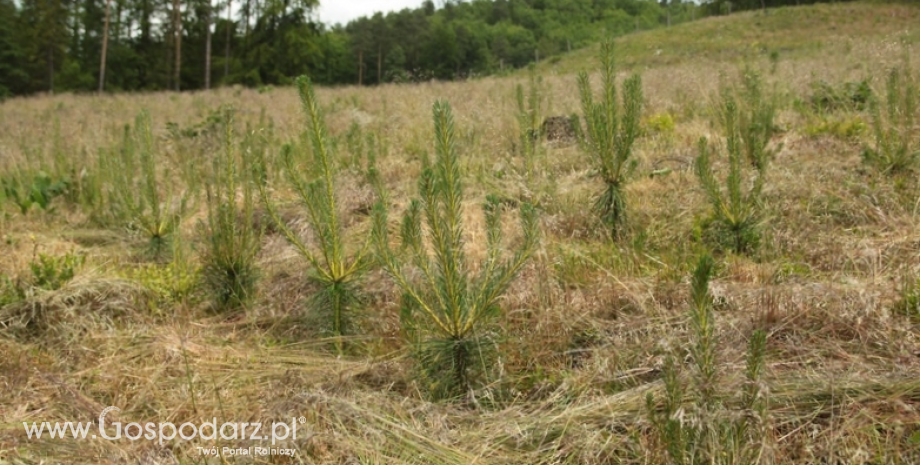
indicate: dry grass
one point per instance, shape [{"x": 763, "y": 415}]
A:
[{"x": 586, "y": 326}]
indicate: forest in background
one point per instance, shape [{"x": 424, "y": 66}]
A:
[{"x": 145, "y": 45}]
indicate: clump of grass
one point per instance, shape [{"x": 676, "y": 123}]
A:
[
  {"x": 232, "y": 242},
  {"x": 446, "y": 312},
  {"x": 737, "y": 209},
  {"x": 612, "y": 128},
  {"x": 332, "y": 267},
  {"x": 909, "y": 302},
  {"x": 896, "y": 147},
  {"x": 708, "y": 431},
  {"x": 134, "y": 194},
  {"x": 529, "y": 112}
]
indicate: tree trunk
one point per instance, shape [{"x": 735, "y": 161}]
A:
[
  {"x": 177, "y": 28},
  {"x": 207, "y": 49},
  {"x": 360, "y": 67},
  {"x": 379, "y": 64},
  {"x": 227, "y": 39},
  {"x": 116, "y": 36},
  {"x": 105, "y": 46},
  {"x": 50, "y": 68}
]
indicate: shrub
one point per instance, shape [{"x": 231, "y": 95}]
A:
[
  {"x": 231, "y": 240},
  {"x": 445, "y": 313},
  {"x": 332, "y": 267},
  {"x": 612, "y": 128}
]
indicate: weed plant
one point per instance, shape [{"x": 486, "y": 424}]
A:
[
  {"x": 612, "y": 128},
  {"x": 27, "y": 188},
  {"x": 51, "y": 272},
  {"x": 446, "y": 311}
]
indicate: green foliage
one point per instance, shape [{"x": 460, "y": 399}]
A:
[
  {"x": 612, "y": 128},
  {"x": 708, "y": 431},
  {"x": 529, "y": 116},
  {"x": 50, "y": 272},
  {"x": 848, "y": 96},
  {"x": 332, "y": 267},
  {"x": 11, "y": 291},
  {"x": 170, "y": 283},
  {"x": 26, "y": 189},
  {"x": 445, "y": 313},
  {"x": 755, "y": 120},
  {"x": 909, "y": 302},
  {"x": 660, "y": 123},
  {"x": 737, "y": 208},
  {"x": 211, "y": 124},
  {"x": 134, "y": 183},
  {"x": 845, "y": 128},
  {"x": 279, "y": 40},
  {"x": 231, "y": 240},
  {"x": 896, "y": 145}
]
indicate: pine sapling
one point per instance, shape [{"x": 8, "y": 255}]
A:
[
  {"x": 896, "y": 145},
  {"x": 445, "y": 306},
  {"x": 231, "y": 239},
  {"x": 135, "y": 195},
  {"x": 529, "y": 110},
  {"x": 737, "y": 212},
  {"x": 755, "y": 121},
  {"x": 612, "y": 128},
  {"x": 708, "y": 431},
  {"x": 331, "y": 265}
]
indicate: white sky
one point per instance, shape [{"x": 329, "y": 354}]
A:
[{"x": 342, "y": 11}]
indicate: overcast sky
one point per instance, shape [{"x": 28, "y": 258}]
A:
[{"x": 342, "y": 11}]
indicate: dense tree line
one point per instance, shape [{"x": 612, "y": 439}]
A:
[{"x": 87, "y": 45}]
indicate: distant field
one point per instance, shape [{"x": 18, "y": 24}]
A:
[{"x": 585, "y": 329}]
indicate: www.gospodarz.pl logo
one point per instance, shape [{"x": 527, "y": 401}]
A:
[{"x": 161, "y": 432}]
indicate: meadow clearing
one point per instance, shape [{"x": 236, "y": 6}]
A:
[{"x": 801, "y": 346}]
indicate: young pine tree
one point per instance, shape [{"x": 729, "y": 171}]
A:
[
  {"x": 529, "y": 110},
  {"x": 737, "y": 211},
  {"x": 707, "y": 431},
  {"x": 446, "y": 307},
  {"x": 134, "y": 181},
  {"x": 332, "y": 266},
  {"x": 231, "y": 240},
  {"x": 896, "y": 145},
  {"x": 612, "y": 128}
]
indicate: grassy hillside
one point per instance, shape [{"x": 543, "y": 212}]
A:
[{"x": 585, "y": 332}]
